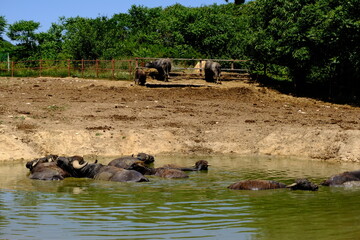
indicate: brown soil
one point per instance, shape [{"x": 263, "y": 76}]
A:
[{"x": 70, "y": 116}]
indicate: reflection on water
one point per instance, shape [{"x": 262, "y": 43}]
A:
[{"x": 200, "y": 207}]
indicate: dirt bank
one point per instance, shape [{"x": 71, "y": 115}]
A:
[{"x": 100, "y": 117}]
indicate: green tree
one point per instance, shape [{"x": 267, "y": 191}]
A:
[
  {"x": 24, "y": 32},
  {"x": 313, "y": 39},
  {"x": 2, "y": 27}
]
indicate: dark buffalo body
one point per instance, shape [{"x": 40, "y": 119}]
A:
[
  {"x": 46, "y": 169},
  {"x": 77, "y": 167},
  {"x": 163, "y": 66},
  {"x": 300, "y": 184},
  {"x": 256, "y": 185},
  {"x": 144, "y": 157},
  {"x": 169, "y": 173},
  {"x": 201, "y": 165},
  {"x": 130, "y": 163},
  {"x": 341, "y": 178},
  {"x": 140, "y": 77},
  {"x": 212, "y": 71}
]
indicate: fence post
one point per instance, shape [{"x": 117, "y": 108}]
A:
[
  {"x": 130, "y": 69},
  {"x": 82, "y": 68},
  {"x": 40, "y": 67},
  {"x": 97, "y": 68},
  {"x": 68, "y": 65},
  {"x": 113, "y": 67},
  {"x": 12, "y": 68}
]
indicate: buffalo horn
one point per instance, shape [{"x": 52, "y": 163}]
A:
[
  {"x": 77, "y": 165},
  {"x": 291, "y": 185},
  {"x": 34, "y": 163}
]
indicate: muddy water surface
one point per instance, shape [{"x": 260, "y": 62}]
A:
[{"x": 200, "y": 207}]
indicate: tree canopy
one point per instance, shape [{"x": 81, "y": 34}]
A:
[{"x": 313, "y": 41}]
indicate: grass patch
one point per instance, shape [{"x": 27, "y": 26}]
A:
[{"x": 55, "y": 108}]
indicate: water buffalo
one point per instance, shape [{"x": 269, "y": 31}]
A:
[
  {"x": 212, "y": 71},
  {"x": 130, "y": 163},
  {"x": 46, "y": 169},
  {"x": 78, "y": 167},
  {"x": 300, "y": 184},
  {"x": 168, "y": 173},
  {"x": 145, "y": 158},
  {"x": 140, "y": 77},
  {"x": 341, "y": 178},
  {"x": 163, "y": 66},
  {"x": 201, "y": 165}
]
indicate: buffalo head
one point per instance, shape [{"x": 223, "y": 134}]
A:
[{"x": 303, "y": 184}]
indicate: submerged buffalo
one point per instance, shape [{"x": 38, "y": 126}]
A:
[
  {"x": 201, "y": 165},
  {"x": 126, "y": 160},
  {"x": 167, "y": 173},
  {"x": 342, "y": 178},
  {"x": 130, "y": 163},
  {"x": 300, "y": 184},
  {"x": 163, "y": 66},
  {"x": 78, "y": 167},
  {"x": 46, "y": 169},
  {"x": 212, "y": 71},
  {"x": 140, "y": 77}
]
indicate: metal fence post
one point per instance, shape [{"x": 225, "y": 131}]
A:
[
  {"x": 82, "y": 68},
  {"x": 40, "y": 67},
  {"x": 12, "y": 68},
  {"x": 113, "y": 67},
  {"x": 68, "y": 65},
  {"x": 97, "y": 68}
]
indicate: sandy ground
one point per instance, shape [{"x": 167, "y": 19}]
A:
[{"x": 71, "y": 116}]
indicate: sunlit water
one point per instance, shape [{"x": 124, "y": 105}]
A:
[{"x": 200, "y": 207}]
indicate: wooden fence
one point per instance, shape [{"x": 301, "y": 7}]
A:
[{"x": 113, "y": 69}]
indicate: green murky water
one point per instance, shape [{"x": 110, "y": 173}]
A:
[{"x": 200, "y": 207}]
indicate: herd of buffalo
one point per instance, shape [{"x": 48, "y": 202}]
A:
[
  {"x": 136, "y": 168},
  {"x": 163, "y": 66}
]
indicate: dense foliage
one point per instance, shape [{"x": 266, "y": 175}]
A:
[{"x": 310, "y": 41}]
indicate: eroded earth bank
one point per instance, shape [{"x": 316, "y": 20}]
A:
[{"x": 71, "y": 116}]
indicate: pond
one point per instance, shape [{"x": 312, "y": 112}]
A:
[{"x": 200, "y": 207}]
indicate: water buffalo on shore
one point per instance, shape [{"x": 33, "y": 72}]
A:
[
  {"x": 78, "y": 167},
  {"x": 212, "y": 71},
  {"x": 140, "y": 77},
  {"x": 163, "y": 66},
  {"x": 300, "y": 184},
  {"x": 342, "y": 178},
  {"x": 46, "y": 169}
]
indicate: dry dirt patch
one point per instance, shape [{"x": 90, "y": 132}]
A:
[{"x": 83, "y": 116}]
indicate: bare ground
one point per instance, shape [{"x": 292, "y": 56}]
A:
[{"x": 70, "y": 116}]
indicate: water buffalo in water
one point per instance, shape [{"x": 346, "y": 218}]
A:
[
  {"x": 167, "y": 173},
  {"x": 130, "y": 163},
  {"x": 341, "y": 178},
  {"x": 201, "y": 165},
  {"x": 163, "y": 66},
  {"x": 300, "y": 184},
  {"x": 144, "y": 157},
  {"x": 140, "y": 77},
  {"x": 46, "y": 169},
  {"x": 212, "y": 71},
  {"x": 78, "y": 167}
]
